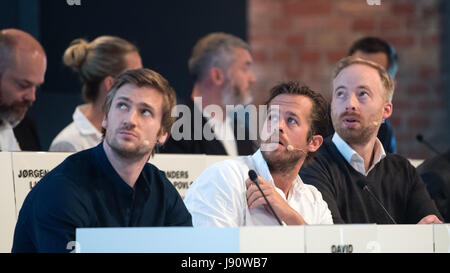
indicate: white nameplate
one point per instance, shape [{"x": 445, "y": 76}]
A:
[
  {"x": 442, "y": 238},
  {"x": 340, "y": 238},
  {"x": 405, "y": 238},
  {"x": 158, "y": 240},
  {"x": 29, "y": 168},
  {"x": 180, "y": 169},
  {"x": 272, "y": 239},
  {"x": 7, "y": 203}
]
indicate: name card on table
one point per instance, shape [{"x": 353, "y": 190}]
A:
[
  {"x": 29, "y": 168},
  {"x": 404, "y": 239},
  {"x": 158, "y": 240},
  {"x": 340, "y": 238},
  {"x": 180, "y": 169},
  {"x": 7, "y": 203},
  {"x": 183, "y": 169},
  {"x": 442, "y": 238},
  {"x": 272, "y": 239}
]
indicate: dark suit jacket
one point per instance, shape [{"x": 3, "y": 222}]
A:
[
  {"x": 204, "y": 146},
  {"x": 27, "y": 136}
]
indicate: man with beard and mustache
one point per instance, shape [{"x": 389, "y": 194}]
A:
[
  {"x": 22, "y": 69},
  {"x": 223, "y": 195},
  {"x": 110, "y": 185},
  {"x": 354, "y": 157},
  {"x": 220, "y": 65}
]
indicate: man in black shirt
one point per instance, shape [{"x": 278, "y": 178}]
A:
[
  {"x": 111, "y": 185},
  {"x": 352, "y": 165}
]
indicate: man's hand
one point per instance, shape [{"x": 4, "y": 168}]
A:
[
  {"x": 430, "y": 219},
  {"x": 278, "y": 203}
]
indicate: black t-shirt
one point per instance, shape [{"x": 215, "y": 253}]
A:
[
  {"x": 86, "y": 191},
  {"x": 393, "y": 180}
]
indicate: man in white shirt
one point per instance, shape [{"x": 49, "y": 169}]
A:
[
  {"x": 22, "y": 68},
  {"x": 223, "y": 195}
]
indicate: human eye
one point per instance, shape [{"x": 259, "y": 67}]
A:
[
  {"x": 146, "y": 112},
  {"x": 122, "y": 106},
  {"x": 273, "y": 117},
  {"x": 363, "y": 94},
  {"x": 23, "y": 85},
  {"x": 292, "y": 121},
  {"x": 340, "y": 94}
]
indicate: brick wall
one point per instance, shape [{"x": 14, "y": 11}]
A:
[{"x": 303, "y": 39}]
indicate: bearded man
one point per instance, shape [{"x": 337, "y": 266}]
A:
[
  {"x": 112, "y": 184},
  {"x": 358, "y": 180}
]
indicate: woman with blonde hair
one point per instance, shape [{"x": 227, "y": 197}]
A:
[{"x": 97, "y": 63}]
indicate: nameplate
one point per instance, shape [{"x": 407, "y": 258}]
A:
[
  {"x": 158, "y": 240},
  {"x": 182, "y": 169},
  {"x": 272, "y": 239},
  {"x": 29, "y": 168},
  {"x": 404, "y": 239},
  {"x": 340, "y": 238},
  {"x": 441, "y": 238},
  {"x": 7, "y": 203}
]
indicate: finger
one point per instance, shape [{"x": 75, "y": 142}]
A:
[
  {"x": 251, "y": 189},
  {"x": 252, "y": 196},
  {"x": 248, "y": 183},
  {"x": 430, "y": 219},
  {"x": 257, "y": 202}
]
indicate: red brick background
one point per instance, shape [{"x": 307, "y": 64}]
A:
[{"x": 303, "y": 39}]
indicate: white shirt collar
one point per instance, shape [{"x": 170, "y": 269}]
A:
[
  {"x": 8, "y": 141},
  {"x": 83, "y": 124},
  {"x": 222, "y": 130},
  {"x": 353, "y": 158}
]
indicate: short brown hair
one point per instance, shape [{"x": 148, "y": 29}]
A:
[
  {"x": 147, "y": 78},
  {"x": 318, "y": 118},
  {"x": 386, "y": 79}
]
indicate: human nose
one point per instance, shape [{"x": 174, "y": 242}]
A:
[
  {"x": 30, "y": 95},
  {"x": 251, "y": 77},
  {"x": 131, "y": 117},
  {"x": 351, "y": 103},
  {"x": 281, "y": 125}
]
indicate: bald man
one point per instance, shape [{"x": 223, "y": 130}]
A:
[{"x": 22, "y": 69}]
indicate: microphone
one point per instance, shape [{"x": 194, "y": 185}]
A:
[
  {"x": 420, "y": 138},
  {"x": 365, "y": 187},
  {"x": 291, "y": 148},
  {"x": 254, "y": 177}
]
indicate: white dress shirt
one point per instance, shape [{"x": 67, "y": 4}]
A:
[
  {"x": 353, "y": 158},
  {"x": 218, "y": 196},
  {"x": 77, "y": 136},
  {"x": 8, "y": 142},
  {"x": 223, "y": 131}
]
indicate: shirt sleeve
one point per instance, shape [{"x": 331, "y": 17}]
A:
[
  {"x": 324, "y": 212},
  {"x": 216, "y": 197},
  {"x": 419, "y": 201},
  {"x": 177, "y": 213},
  {"x": 62, "y": 146},
  {"x": 317, "y": 174},
  {"x": 49, "y": 217}
]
